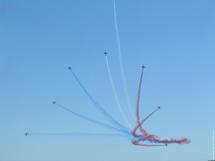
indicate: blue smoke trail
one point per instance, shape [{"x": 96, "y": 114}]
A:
[
  {"x": 76, "y": 134},
  {"x": 97, "y": 105},
  {"x": 89, "y": 119}
]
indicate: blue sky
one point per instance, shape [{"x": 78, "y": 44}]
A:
[{"x": 39, "y": 39}]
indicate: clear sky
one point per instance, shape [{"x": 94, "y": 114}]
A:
[{"x": 174, "y": 39}]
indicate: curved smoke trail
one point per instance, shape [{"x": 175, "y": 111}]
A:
[
  {"x": 96, "y": 104},
  {"x": 115, "y": 93},
  {"x": 88, "y": 118},
  {"x": 121, "y": 62},
  {"x": 138, "y": 104}
]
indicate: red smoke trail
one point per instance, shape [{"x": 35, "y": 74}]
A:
[{"x": 145, "y": 136}]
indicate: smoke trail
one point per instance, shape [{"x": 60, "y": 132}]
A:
[
  {"x": 121, "y": 62},
  {"x": 114, "y": 91},
  {"x": 138, "y": 105},
  {"x": 75, "y": 134},
  {"x": 97, "y": 105},
  {"x": 147, "y": 117},
  {"x": 213, "y": 144},
  {"x": 88, "y": 119}
]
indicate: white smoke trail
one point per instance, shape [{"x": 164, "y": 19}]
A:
[
  {"x": 213, "y": 144},
  {"x": 115, "y": 93},
  {"x": 121, "y": 63}
]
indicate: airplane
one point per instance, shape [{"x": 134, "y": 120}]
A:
[{"x": 106, "y": 53}]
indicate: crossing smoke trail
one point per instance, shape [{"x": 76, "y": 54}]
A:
[
  {"x": 145, "y": 136},
  {"x": 114, "y": 91},
  {"x": 138, "y": 135},
  {"x": 97, "y": 105},
  {"x": 121, "y": 62}
]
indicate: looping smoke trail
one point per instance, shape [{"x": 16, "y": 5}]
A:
[
  {"x": 144, "y": 136},
  {"x": 89, "y": 119},
  {"x": 121, "y": 63},
  {"x": 96, "y": 104},
  {"x": 148, "y": 145},
  {"x": 114, "y": 92}
]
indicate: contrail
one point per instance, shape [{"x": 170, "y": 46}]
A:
[
  {"x": 88, "y": 118},
  {"x": 121, "y": 62},
  {"x": 114, "y": 91},
  {"x": 96, "y": 104},
  {"x": 75, "y": 134}
]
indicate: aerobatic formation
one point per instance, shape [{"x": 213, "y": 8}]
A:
[{"x": 136, "y": 133}]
